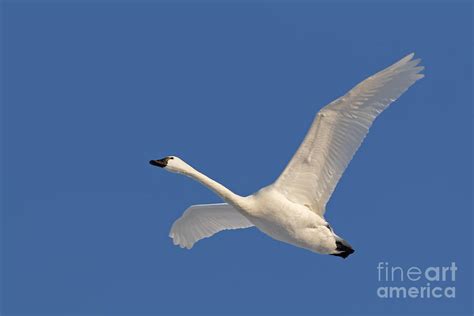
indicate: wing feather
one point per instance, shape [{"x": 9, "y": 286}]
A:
[
  {"x": 205, "y": 220},
  {"x": 338, "y": 131}
]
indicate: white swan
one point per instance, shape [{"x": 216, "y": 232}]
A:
[{"x": 292, "y": 208}]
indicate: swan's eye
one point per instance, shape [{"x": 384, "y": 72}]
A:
[{"x": 171, "y": 157}]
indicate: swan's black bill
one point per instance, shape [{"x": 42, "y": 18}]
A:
[
  {"x": 343, "y": 248},
  {"x": 159, "y": 162}
]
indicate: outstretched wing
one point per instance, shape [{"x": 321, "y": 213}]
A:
[
  {"x": 337, "y": 132},
  {"x": 201, "y": 221}
]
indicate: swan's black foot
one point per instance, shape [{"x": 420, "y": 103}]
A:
[{"x": 343, "y": 249}]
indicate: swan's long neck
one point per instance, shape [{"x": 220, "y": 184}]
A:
[{"x": 226, "y": 194}]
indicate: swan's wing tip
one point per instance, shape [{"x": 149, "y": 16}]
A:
[
  {"x": 408, "y": 57},
  {"x": 178, "y": 242},
  {"x": 407, "y": 62}
]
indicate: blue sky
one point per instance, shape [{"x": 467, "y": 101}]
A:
[{"x": 93, "y": 90}]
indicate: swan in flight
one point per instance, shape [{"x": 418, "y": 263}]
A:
[{"x": 292, "y": 209}]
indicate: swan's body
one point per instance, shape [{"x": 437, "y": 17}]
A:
[
  {"x": 290, "y": 222},
  {"x": 292, "y": 209}
]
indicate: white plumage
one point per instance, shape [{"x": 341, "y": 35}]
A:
[
  {"x": 201, "y": 221},
  {"x": 292, "y": 209},
  {"x": 337, "y": 132}
]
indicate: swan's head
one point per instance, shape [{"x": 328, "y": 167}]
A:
[{"x": 171, "y": 163}]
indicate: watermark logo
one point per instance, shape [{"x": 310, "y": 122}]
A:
[{"x": 416, "y": 282}]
